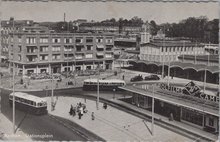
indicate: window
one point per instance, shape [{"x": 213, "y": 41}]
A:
[
  {"x": 56, "y": 40},
  {"x": 109, "y": 47},
  {"x": 19, "y": 57},
  {"x": 88, "y": 47},
  {"x": 68, "y": 48},
  {"x": 43, "y": 48},
  {"x": 88, "y": 56},
  {"x": 99, "y": 40},
  {"x": 67, "y": 40},
  {"x": 89, "y": 40},
  {"x": 56, "y": 48},
  {"x": 43, "y": 40},
  {"x": 30, "y": 40},
  {"x": 79, "y": 56},
  {"x": 19, "y": 48},
  {"x": 68, "y": 56},
  {"x": 31, "y": 49},
  {"x": 56, "y": 56},
  {"x": 43, "y": 57},
  {"x": 108, "y": 55},
  {"x": 31, "y": 58},
  {"x": 109, "y": 40},
  {"x": 79, "y": 48},
  {"x": 79, "y": 40}
]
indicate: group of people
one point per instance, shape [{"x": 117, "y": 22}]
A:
[{"x": 80, "y": 109}]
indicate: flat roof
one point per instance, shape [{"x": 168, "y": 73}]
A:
[
  {"x": 173, "y": 44},
  {"x": 173, "y": 99},
  {"x": 105, "y": 80},
  {"x": 28, "y": 97}
]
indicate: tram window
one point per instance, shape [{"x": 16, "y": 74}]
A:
[{"x": 34, "y": 103}]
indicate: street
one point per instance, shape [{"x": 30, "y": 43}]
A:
[{"x": 39, "y": 125}]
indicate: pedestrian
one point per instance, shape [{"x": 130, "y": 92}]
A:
[
  {"x": 105, "y": 105},
  {"x": 123, "y": 77},
  {"x": 93, "y": 116},
  {"x": 79, "y": 114},
  {"x": 74, "y": 111},
  {"x": 71, "y": 110}
]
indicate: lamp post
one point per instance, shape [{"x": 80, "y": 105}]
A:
[
  {"x": 152, "y": 124},
  {"x": 97, "y": 102},
  {"x": 13, "y": 108},
  {"x": 52, "y": 91}
]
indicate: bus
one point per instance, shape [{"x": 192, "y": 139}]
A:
[
  {"x": 107, "y": 84},
  {"x": 29, "y": 103}
]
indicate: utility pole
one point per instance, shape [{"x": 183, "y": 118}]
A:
[
  {"x": 52, "y": 91},
  {"x": 97, "y": 103},
  {"x": 152, "y": 124},
  {"x": 13, "y": 111},
  {"x": 168, "y": 78}
]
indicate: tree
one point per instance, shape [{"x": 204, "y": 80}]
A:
[{"x": 153, "y": 27}]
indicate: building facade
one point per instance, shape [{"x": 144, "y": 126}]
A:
[
  {"x": 7, "y": 27},
  {"x": 38, "y": 52},
  {"x": 168, "y": 51}
]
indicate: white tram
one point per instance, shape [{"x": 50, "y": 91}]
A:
[
  {"x": 29, "y": 103},
  {"x": 107, "y": 84}
]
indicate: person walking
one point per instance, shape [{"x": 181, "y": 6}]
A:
[
  {"x": 93, "y": 116},
  {"x": 71, "y": 110}
]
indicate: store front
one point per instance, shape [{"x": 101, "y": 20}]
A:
[{"x": 182, "y": 107}]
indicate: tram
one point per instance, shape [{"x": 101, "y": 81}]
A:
[
  {"x": 29, "y": 103},
  {"x": 107, "y": 84}
]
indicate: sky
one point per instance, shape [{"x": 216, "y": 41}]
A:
[{"x": 160, "y": 12}]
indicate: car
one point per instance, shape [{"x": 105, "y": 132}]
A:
[
  {"x": 137, "y": 78},
  {"x": 152, "y": 77}
]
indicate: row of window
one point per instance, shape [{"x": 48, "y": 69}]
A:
[
  {"x": 32, "y": 40},
  {"x": 28, "y": 102},
  {"x": 33, "y": 49},
  {"x": 58, "y": 57}
]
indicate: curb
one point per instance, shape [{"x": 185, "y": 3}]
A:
[{"x": 171, "y": 127}]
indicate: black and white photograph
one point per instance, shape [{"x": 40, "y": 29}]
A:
[{"x": 109, "y": 71}]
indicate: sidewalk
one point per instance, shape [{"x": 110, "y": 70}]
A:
[
  {"x": 113, "y": 124},
  {"x": 6, "y": 132},
  {"x": 181, "y": 125}
]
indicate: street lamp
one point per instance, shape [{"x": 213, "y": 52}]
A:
[
  {"x": 114, "y": 93},
  {"x": 152, "y": 124},
  {"x": 97, "y": 102},
  {"x": 13, "y": 108},
  {"x": 52, "y": 91}
]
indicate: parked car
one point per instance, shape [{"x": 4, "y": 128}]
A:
[
  {"x": 137, "y": 78},
  {"x": 152, "y": 77}
]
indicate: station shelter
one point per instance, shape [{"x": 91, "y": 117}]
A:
[{"x": 187, "y": 103}]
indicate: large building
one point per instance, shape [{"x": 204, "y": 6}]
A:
[
  {"x": 165, "y": 51},
  {"x": 37, "y": 51},
  {"x": 7, "y": 27}
]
